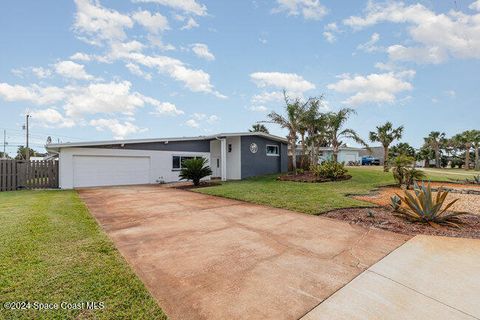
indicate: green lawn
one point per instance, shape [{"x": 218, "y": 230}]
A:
[
  {"x": 52, "y": 251},
  {"x": 312, "y": 198}
]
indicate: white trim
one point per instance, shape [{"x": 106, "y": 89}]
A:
[{"x": 56, "y": 146}]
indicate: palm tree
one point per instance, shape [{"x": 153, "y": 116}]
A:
[
  {"x": 386, "y": 134},
  {"x": 335, "y": 123},
  {"x": 291, "y": 122},
  {"x": 259, "y": 128},
  {"x": 315, "y": 123},
  {"x": 435, "y": 140},
  {"x": 467, "y": 139},
  {"x": 476, "y": 146}
]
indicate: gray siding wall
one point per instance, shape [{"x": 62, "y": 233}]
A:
[
  {"x": 255, "y": 164},
  {"x": 187, "y": 146}
]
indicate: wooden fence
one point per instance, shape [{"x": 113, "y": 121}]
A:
[{"x": 21, "y": 174}]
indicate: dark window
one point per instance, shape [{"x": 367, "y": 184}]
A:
[
  {"x": 229, "y": 148},
  {"x": 272, "y": 150},
  {"x": 177, "y": 161},
  {"x": 218, "y": 163}
]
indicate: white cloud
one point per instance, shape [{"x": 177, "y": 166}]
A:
[
  {"x": 201, "y": 51},
  {"x": 80, "y": 56},
  {"x": 51, "y": 118},
  {"x": 163, "y": 108},
  {"x": 330, "y": 30},
  {"x": 266, "y": 97},
  {"x": 309, "y": 9},
  {"x": 191, "y": 23},
  {"x": 451, "y": 93},
  {"x": 135, "y": 69},
  {"x": 41, "y": 73},
  {"x": 436, "y": 36},
  {"x": 370, "y": 45},
  {"x": 261, "y": 109},
  {"x": 95, "y": 98},
  {"x": 195, "y": 80},
  {"x": 373, "y": 88},
  {"x": 475, "y": 5},
  {"x": 119, "y": 130},
  {"x": 329, "y": 36},
  {"x": 192, "y": 123},
  {"x": 187, "y": 6},
  {"x": 291, "y": 82},
  {"x": 154, "y": 23},
  {"x": 98, "y": 23},
  {"x": 73, "y": 70},
  {"x": 34, "y": 94}
]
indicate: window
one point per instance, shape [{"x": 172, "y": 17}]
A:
[
  {"x": 272, "y": 150},
  {"x": 229, "y": 148},
  {"x": 177, "y": 161}
]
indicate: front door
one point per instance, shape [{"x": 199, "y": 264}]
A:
[{"x": 216, "y": 167}]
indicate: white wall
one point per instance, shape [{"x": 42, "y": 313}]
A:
[
  {"x": 343, "y": 156},
  {"x": 233, "y": 158},
  {"x": 160, "y": 162}
]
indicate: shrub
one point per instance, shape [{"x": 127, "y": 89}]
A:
[
  {"x": 329, "y": 170},
  {"x": 395, "y": 202},
  {"x": 422, "y": 206},
  {"x": 400, "y": 166},
  {"x": 474, "y": 180},
  {"x": 195, "y": 169},
  {"x": 412, "y": 175},
  {"x": 300, "y": 171}
]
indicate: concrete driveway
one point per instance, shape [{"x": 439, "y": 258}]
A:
[{"x": 204, "y": 257}]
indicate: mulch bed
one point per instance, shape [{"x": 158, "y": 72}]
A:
[
  {"x": 189, "y": 185},
  {"x": 308, "y": 176},
  {"x": 385, "y": 220}
]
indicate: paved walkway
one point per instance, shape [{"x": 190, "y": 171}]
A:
[
  {"x": 205, "y": 257},
  {"x": 426, "y": 278}
]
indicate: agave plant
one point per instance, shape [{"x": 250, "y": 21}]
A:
[
  {"x": 475, "y": 180},
  {"x": 395, "y": 202},
  {"x": 423, "y": 206}
]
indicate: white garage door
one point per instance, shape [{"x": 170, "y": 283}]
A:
[
  {"x": 349, "y": 157},
  {"x": 92, "y": 171}
]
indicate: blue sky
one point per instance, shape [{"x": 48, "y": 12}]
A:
[{"x": 90, "y": 70}]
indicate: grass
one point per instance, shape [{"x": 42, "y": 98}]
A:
[
  {"x": 311, "y": 198},
  {"x": 53, "y": 251}
]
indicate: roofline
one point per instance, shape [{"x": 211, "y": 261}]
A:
[{"x": 57, "y": 146}]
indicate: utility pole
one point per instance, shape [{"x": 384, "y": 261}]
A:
[{"x": 28, "y": 149}]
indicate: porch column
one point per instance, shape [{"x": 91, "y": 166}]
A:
[{"x": 223, "y": 158}]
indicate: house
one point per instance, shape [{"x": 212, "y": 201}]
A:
[
  {"x": 345, "y": 154},
  {"x": 231, "y": 156}
]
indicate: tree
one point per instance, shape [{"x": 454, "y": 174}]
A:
[
  {"x": 466, "y": 140},
  {"x": 386, "y": 134},
  {"x": 292, "y": 122},
  {"x": 335, "y": 123},
  {"x": 476, "y": 146},
  {"x": 259, "y": 128},
  {"x": 435, "y": 140},
  {"x": 426, "y": 154},
  {"x": 401, "y": 148},
  {"x": 316, "y": 128},
  {"x": 195, "y": 169},
  {"x": 22, "y": 153}
]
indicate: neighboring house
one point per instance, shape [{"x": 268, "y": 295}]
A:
[
  {"x": 142, "y": 161},
  {"x": 376, "y": 152},
  {"x": 345, "y": 154}
]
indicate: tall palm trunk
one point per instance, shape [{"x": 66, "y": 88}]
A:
[
  {"x": 303, "y": 150},
  {"x": 467, "y": 156},
  {"x": 293, "y": 147},
  {"x": 437, "y": 156},
  {"x": 477, "y": 160},
  {"x": 385, "y": 158}
]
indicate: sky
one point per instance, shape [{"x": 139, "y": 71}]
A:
[{"x": 99, "y": 70}]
